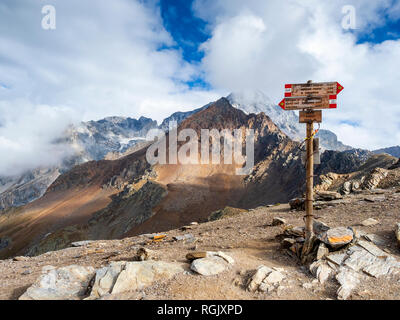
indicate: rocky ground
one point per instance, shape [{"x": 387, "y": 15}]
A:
[{"x": 240, "y": 256}]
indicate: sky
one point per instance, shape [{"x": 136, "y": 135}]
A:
[{"x": 152, "y": 58}]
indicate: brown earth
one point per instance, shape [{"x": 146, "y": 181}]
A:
[{"x": 248, "y": 237}]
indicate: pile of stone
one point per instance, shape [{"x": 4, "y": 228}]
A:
[
  {"x": 266, "y": 279},
  {"x": 84, "y": 282},
  {"x": 342, "y": 253}
]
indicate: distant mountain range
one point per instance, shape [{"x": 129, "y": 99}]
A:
[
  {"x": 113, "y": 137},
  {"x": 393, "y": 151},
  {"x": 109, "y": 199}
]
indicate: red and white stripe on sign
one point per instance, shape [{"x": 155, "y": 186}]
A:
[
  {"x": 288, "y": 90},
  {"x": 332, "y": 101}
]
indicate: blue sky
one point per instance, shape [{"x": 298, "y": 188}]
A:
[{"x": 190, "y": 32}]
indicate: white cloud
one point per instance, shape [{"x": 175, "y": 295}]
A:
[
  {"x": 103, "y": 59},
  {"x": 302, "y": 40}
]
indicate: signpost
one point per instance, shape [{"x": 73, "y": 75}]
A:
[
  {"x": 309, "y": 102},
  {"x": 310, "y": 98}
]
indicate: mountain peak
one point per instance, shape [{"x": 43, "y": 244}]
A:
[{"x": 249, "y": 97}]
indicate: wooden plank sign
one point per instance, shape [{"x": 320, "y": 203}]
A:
[
  {"x": 313, "y": 89},
  {"x": 313, "y": 116},
  {"x": 309, "y": 102}
]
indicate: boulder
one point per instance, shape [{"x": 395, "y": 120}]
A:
[
  {"x": 138, "y": 275},
  {"x": 106, "y": 278},
  {"x": 337, "y": 237},
  {"x": 397, "y": 233},
  {"x": 209, "y": 266},
  {"x": 125, "y": 276},
  {"x": 66, "y": 283}
]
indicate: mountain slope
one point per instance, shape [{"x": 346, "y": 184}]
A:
[
  {"x": 93, "y": 140},
  {"x": 393, "y": 151},
  {"x": 115, "y": 137}
]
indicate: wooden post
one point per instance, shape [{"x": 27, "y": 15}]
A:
[{"x": 309, "y": 181}]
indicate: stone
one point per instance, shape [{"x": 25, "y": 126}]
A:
[
  {"x": 194, "y": 223},
  {"x": 375, "y": 239},
  {"x": 337, "y": 237},
  {"x": 184, "y": 237},
  {"x": 328, "y": 195},
  {"x": 375, "y": 199},
  {"x": 397, "y": 233},
  {"x": 288, "y": 242},
  {"x": 346, "y": 188},
  {"x": 294, "y": 231},
  {"x": 138, "y": 275},
  {"x": 185, "y": 228},
  {"x": 322, "y": 251},
  {"x": 367, "y": 258},
  {"x": 355, "y": 185},
  {"x": 278, "y": 221},
  {"x": 320, "y": 227},
  {"x": 21, "y": 258},
  {"x": 66, "y": 283},
  {"x": 261, "y": 273},
  {"x": 105, "y": 279},
  {"x": 266, "y": 279},
  {"x": 336, "y": 258},
  {"x": 222, "y": 255},
  {"x": 125, "y": 276},
  {"x": 209, "y": 266},
  {"x": 81, "y": 243},
  {"x": 321, "y": 271},
  {"x": 373, "y": 179},
  {"x": 348, "y": 280},
  {"x": 196, "y": 255},
  {"x": 143, "y": 254},
  {"x": 275, "y": 277},
  {"x": 369, "y": 222},
  {"x": 307, "y": 285},
  {"x": 297, "y": 204}
]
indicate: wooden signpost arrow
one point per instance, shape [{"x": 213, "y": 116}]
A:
[{"x": 310, "y": 98}]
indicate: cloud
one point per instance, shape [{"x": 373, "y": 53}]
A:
[
  {"x": 265, "y": 44},
  {"x": 103, "y": 59}
]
